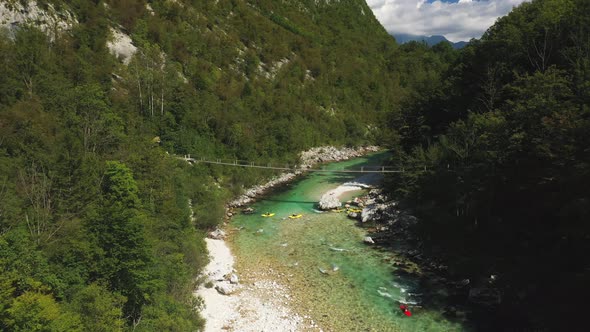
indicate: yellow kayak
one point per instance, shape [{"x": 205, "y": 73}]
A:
[
  {"x": 355, "y": 210},
  {"x": 295, "y": 216},
  {"x": 268, "y": 214}
]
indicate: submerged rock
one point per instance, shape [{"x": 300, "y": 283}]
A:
[
  {"x": 368, "y": 240},
  {"x": 382, "y": 292},
  {"x": 338, "y": 249},
  {"x": 248, "y": 210}
]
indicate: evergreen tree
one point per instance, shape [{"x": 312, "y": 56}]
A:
[{"x": 119, "y": 230}]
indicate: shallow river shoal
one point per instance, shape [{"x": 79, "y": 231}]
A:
[{"x": 333, "y": 278}]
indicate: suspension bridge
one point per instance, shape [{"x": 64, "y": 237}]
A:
[{"x": 293, "y": 168}]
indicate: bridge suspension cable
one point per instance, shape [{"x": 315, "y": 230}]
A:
[{"x": 240, "y": 163}]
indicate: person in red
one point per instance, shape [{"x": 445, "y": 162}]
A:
[{"x": 405, "y": 310}]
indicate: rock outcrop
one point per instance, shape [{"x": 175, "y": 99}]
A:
[
  {"x": 121, "y": 46},
  {"x": 50, "y": 20},
  {"x": 329, "y": 201}
]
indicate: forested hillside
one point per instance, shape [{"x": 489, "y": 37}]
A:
[
  {"x": 96, "y": 229},
  {"x": 499, "y": 166},
  {"x": 101, "y": 227}
]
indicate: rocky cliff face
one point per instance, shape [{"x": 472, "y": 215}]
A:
[
  {"x": 46, "y": 17},
  {"x": 54, "y": 20}
]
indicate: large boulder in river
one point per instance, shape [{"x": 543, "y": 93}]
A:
[{"x": 329, "y": 201}]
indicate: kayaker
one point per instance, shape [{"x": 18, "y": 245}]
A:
[{"x": 405, "y": 310}]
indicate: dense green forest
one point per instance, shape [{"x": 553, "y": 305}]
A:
[
  {"x": 498, "y": 155},
  {"x": 101, "y": 228},
  {"x": 96, "y": 227}
]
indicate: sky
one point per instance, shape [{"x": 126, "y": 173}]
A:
[{"x": 457, "y": 20}]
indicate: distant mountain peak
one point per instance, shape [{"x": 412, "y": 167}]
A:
[{"x": 429, "y": 40}]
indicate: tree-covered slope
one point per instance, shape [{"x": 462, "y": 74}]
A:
[
  {"x": 501, "y": 165},
  {"x": 96, "y": 231},
  {"x": 271, "y": 77}
]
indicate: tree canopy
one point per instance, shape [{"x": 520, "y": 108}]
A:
[{"x": 498, "y": 162}]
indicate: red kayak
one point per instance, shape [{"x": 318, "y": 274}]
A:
[{"x": 405, "y": 310}]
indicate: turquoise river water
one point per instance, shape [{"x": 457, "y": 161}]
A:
[{"x": 343, "y": 284}]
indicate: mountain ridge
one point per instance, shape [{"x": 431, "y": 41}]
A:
[{"x": 429, "y": 40}]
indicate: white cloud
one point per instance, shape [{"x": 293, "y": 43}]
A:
[{"x": 457, "y": 21}]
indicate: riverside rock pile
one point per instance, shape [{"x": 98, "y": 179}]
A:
[
  {"x": 329, "y": 153},
  {"x": 250, "y": 194},
  {"x": 388, "y": 217}
]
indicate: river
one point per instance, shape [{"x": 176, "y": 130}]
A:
[{"x": 341, "y": 283}]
